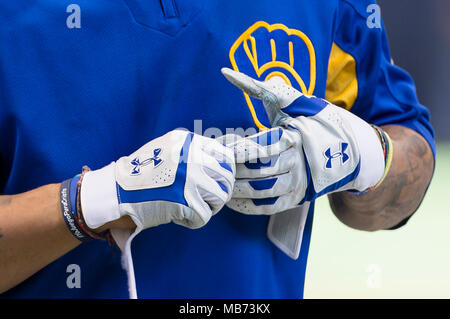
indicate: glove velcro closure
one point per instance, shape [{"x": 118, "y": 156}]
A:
[{"x": 99, "y": 197}]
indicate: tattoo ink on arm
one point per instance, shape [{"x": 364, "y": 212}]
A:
[{"x": 399, "y": 195}]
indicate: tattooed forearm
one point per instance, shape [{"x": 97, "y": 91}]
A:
[{"x": 401, "y": 192}]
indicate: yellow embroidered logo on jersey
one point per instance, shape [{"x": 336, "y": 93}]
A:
[{"x": 267, "y": 50}]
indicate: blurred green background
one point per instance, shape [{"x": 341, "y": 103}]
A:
[
  {"x": 413, "y": 261},
  {"x": 410, "y": 262}
]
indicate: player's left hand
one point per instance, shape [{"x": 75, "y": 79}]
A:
[{"x": 326, "y": 149}]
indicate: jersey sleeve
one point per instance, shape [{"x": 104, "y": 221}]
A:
[{"x": 362, "y": 76}]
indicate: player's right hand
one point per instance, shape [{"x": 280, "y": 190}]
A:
[
  {"x": 323, "y": 150},
  {"x": 180, "y": 177}
]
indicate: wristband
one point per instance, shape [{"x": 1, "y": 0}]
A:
[{"x": 69, "y": 216}]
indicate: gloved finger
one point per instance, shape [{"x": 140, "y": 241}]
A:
[
  {"x": 265, "y": 167},
  {"x": 194, "y": 218},
  {"x": 275, "y": 95},
  {"x": 214, "y": 201},
  {"x": 221, "y": 172},
  {"x": 225, "y": 184},
  {"x": 228, "y": 139},
  {"x": 252, "y": 87},
  {"x": 275, "y": 90},
  {"x": 264, "y": 144},
  {"x": 216, "y": 156},
  {"x": 216, "y": 180},
  {"x": 263, "y": 206},
  {"x": 264, "y": 188},
  {"x": 212, "y": 193},
  {"x": 222, "y": 154},
  {"x": 207, "y": 198}
]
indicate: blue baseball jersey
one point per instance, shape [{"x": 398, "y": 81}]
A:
[{"x": 88, "y": 82}]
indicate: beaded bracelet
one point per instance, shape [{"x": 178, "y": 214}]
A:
[{"x": 388, "y": 150}]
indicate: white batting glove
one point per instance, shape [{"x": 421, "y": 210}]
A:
[
  {"x": 328, "y": 149},
  {"x": 179, "y": 177}
]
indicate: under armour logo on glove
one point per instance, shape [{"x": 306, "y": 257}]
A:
[
  {"x": 339, "y": 154},
  {"x": 138, "y": 164}
]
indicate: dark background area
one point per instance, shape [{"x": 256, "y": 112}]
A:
[{"x": 419, "y": 39}]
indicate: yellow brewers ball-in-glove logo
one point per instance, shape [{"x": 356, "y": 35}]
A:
[{"x": 267, "y": 50}]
